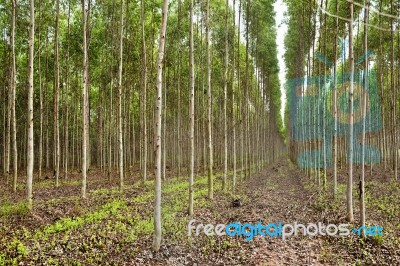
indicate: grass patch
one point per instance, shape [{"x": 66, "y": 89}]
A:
[
  {"x": 19, "y": 209},
  {"x": 68, "y": 224},
  {"x": 143, "y": 198}
]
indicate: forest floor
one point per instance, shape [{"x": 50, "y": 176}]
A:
[{"x": 113, "y": 227}]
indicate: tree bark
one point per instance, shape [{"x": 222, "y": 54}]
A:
[
  {"x": 233, "y": 103},
  {"x": 144, "y": 96},
  {"x": 29, "y": 165},
  {"x": 364, "y": 114},
  {"x": 191, "y": 110},
  {"x": 13, "y": 84},
  {"x": 120, "y": 139},
  {"x": 157, "y": 130},
  {"x": 66, "y": 142},
  {"x": 84, "y": 100},
  {"x": 40, "y": 98},
  {"x": 209, "y": 96},
  {"x": 56, "y": 100},
  {"x": 225, "y": 97},
  {"x": 350, "y": 217}
]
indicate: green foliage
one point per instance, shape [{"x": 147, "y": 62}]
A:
[
  {"x": 15, "y": 251},
  {"x": 19, "y": 209},
  {"x": 68, "y": 224}
]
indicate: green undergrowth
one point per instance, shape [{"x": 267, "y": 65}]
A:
[
  {"x": 382, "y": 200},
  {"x": 18, "y": 209},
  {"x": 68, "y": 224},
  {"x": 120, "y": 219}
]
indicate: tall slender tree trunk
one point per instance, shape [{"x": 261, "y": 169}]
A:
[
  {"x": 157, "y": 130},
  {"x": 239, "y": 77},
  {"x": 164, "y": 150},
  {"x": 40, "y": 160},
  {"x": 335, "y": 110},
  {"x": 209, "y": 95},
  {"x": 66, "y": 141},
  {"x": 225, "y": 96},
  {"x": 56, "y": 100},
  {"x": 29, "y": 165},
  {"x": 120, "y": 139},
  {"x": 144, "y": 96},
  {"x": 84, "y": 99},
  {"x": 8, "y": 135},
  {"x": 394, "y": 90},
  {"x": 87, "y": 106},
  {"x": 246, "y": 119},
  {"x": 13, "y": 84},
  {"x": 110, "y": 126},
  {"x": 364, "y": 114},
  {"x": 179, "y": 146},
  {"x": 351, "y": 104},
  {"x": 47, "y": 145},
  {"x": 191, "y": 110},
  {"x": 233, "y": 102}
]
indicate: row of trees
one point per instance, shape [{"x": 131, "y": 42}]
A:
[
  {"x": 205, "y": 86},
  {"x": 346, "y": 109}
]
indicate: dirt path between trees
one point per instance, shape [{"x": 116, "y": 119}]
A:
[{"x": 114, "y": 227}]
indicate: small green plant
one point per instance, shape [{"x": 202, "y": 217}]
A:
[
  {"x": 143, "y": 198},
  {"x": 2, "y": 259},
  {"x": 18, "y": 248},
  {"x": 378, "y": 240},
  {"x": 68, "y": 224},
  {"x": 19, "y": 209}
]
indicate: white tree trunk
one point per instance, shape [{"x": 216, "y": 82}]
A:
[
  {"x": 157, "y": 137},
  {"x": 120, "y": 139},
  {"x": 144, "y": 97},
  {"x": 351, "y": 103},
  {"x": 225, "y": 98},
  {"x": 56, "y": 101},
  {"x": 191, "y": 110},
  {"x": 233, "y": 104},
  {"x": 13, "y": 93},
  {"x": 29, "y": 165},
  {"x": 84, "y": 98},
  {"x": 364, "y": 114},
  {"x": 209, "y": 95}
]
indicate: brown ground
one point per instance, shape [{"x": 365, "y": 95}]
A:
[{"x": 114, "y": 228}]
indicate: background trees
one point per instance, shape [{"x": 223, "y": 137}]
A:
[
  {"x": 347, "y": 42},
  {"x": 92, "y": 77},
  {"x": 109, "y": 88}
]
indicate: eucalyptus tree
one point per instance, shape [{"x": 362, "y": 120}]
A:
[
  {"x": 191, "y": 109},
  {"x": 13, "y": 88},
  {"x": 120, "y": 135},
  {"x": 84, "y": 99},
  {"x": 30, "y": 152},
  {"x": 209, "y": 96},
  {"x": 226, "y": 95},
  {"x": 56, "y": 157},
  {"x": 349, "y": 194},
  {"x": 364, "y": 114},
  {"x": 157, "y": 130},
  {"x": 143, "y": 103},
  {"x": 233, "y": 115}
]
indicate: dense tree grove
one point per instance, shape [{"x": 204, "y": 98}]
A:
[
  {"x": 349, "y": 55},
  {"x": 133, "y": 131},
  {"x": 89, "y": 74},
  {"x": 57, "y": 79}
]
